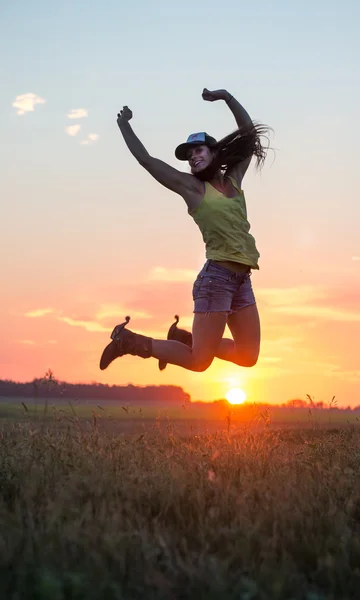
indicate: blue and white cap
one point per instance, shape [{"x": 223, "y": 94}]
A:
[{"x": 195, "y": 139}]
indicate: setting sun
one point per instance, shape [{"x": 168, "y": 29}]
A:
[{"x": 236, "y": 396}]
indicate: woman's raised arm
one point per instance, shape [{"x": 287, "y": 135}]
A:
[{"x": 176, "y": 181}]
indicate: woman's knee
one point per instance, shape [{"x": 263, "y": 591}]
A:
[
  {"x": 201, "y": 364},
  {"x": 248, "y": 359}
]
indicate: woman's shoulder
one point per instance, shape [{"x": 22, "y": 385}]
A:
[{"x": 236, "y": 184}]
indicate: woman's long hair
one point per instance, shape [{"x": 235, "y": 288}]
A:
[{"x": 236, "y": 147}]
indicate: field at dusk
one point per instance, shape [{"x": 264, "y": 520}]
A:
[
  {"x": 145, "y": 494},
  {"x": 98, "y": 507}
]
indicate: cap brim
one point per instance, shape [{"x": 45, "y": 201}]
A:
[{"x": 181, "y": 151}]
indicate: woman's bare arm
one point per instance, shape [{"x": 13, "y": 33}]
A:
[
  {"x": 176, "y": 181},
  {"x": 242, "y": 119}
]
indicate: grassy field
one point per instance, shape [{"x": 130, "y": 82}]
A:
[
  {"x": 111, "y": 414},
  {"x": 240, "y": 513}
]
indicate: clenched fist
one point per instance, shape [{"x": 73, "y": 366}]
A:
[
  {"x": 124, "y": 115},
  {"x": 215, "y": 95}
]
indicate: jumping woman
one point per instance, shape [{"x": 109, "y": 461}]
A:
[{"x": 222, "y": 291}]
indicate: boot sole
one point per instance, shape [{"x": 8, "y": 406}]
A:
[{"x": 108, "y": 356}]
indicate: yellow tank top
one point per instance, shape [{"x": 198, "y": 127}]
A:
[{"x": 225, "y": 228}]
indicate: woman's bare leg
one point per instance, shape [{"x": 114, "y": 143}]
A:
[
  {"x": 207, "y": 331},
  {"x": 207, "y": 342},
  {"x": 244, "y": 349}
]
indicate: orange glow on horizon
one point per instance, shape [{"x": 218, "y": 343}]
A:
[{"x": 236, "y": 396}]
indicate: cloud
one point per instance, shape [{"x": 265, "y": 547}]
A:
[
  {"x": 350, "y": 376},
  {"x": 320, "y": 312},
  {"x": 91, "y": 139},
  {"x": 115, "y": 311},
  {"x": 274, "y": 351},
  {"x": 106, "y": 311},
  {"x": 39, "y": 312},
  {"x": 72, "y": 130},
  {"x": 306, "y": 301},
  {"x": 92, "y": 323},
  {"x": 171, "y": 275},
  {"x": 333, "y": 370},
  {"x": 26, "y": 103},
  {"x": 27, "y": 342},
  {"x": 267, "y": 371},
  {"x": 91, "y": 326},
  {"x": 277, "y": 297},
  {"x": 284, "y": 343},
  {"x": 77, "y": 113},
  {"x": 356, "y": 258},
  {"x": 272, "y": 359}
]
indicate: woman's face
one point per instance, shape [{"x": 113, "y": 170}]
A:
[{"x": 199, "y": 158}]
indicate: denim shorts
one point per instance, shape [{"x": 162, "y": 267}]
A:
[{"x": 218, "y": 289}]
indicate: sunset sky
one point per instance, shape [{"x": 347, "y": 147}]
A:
[{"x": 87, "y": 236}]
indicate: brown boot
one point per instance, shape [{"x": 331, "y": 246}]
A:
[
  {"x": 125, "y": 342},
  {"x": 179, "y": 335}
]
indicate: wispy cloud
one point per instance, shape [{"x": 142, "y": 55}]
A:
[
  {"x": 26, "y": 103},
  {"x": 320, "y": 312},
  {"x": 331, "y": 369},
  {"x": 33, "y": 343},
  {"x": 72, "y": 130},
  {"x": 272, "y": 359},
  {"x": 91, "y": 326},
  {"x": 269, "y": 370},
  {"x": 77, "y": 113},
  {"x": 350, "y": 376},
  {"x": 39, "y": 312},
  {"x": 115, "y": 311},
  {"x": 356, "y": 258},
  {"x": 96, "y": 323},
  {"x": 91, "y": 139},
  {"x": 274, "y": 351},
  {"x": 306, "y": 301},
  {"x": 171, "y": 275},
  {"x": 94, "y": 327},
  {"x": 290, "y": 296}
]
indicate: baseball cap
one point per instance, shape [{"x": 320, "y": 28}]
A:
[{"x": 195, "y": 139}]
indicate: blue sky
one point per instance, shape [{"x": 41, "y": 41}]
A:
[{"x": 293, "y": 66}]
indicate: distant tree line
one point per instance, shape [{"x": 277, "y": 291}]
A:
[{"x": 49, "y": 387}]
